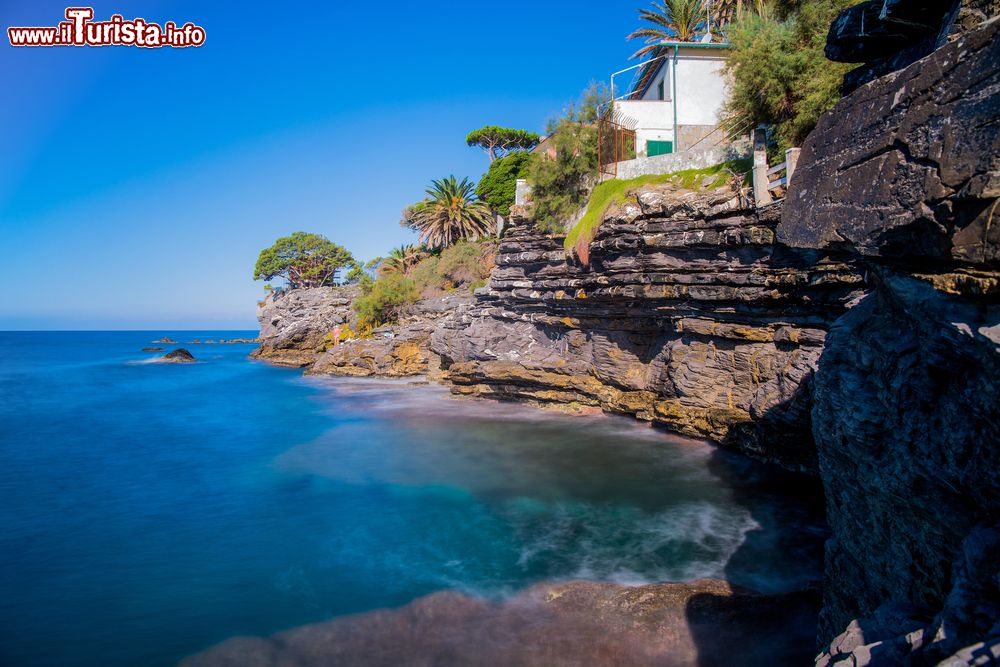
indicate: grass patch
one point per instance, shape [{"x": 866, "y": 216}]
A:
[{"x": 616, "y": 192}]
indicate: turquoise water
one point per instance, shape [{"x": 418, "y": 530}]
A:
[{"x": 152, "y": 510}]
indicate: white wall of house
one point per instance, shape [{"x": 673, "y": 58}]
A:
[
  {"x": 701, "y": 93},
  {"x": 701, "y": 87}
]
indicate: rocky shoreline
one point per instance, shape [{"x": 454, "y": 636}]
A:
[
  {"x": 852, "y": 333},
  {"x": 552, "y": 624}
]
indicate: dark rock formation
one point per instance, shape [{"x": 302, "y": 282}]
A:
[
  {"x": 905, "y": 172},
  {"x": 704, "y": 623},
  {"x": 178, "y": 356},
  {"x": 906, "y": 168},
  {"x": 689, "y": 315},
  {"x": 152, "y": 349},
  {"x": 888, "y": 35},
  {"x": 294, "y": 324}
]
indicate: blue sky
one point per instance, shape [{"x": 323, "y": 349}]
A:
[{"x": 138, "y": 185}]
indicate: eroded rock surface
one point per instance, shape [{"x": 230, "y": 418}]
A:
[
  {"x": 705, "y": 623},
  {"x": 399, "y": 350},
  {"x": 689, "y": 314},
  {"x": 908, "y": 167},
  {"x": 295, "y": 323},
  {"x": 905, "y": 172},
  {"x": 296, "y": 328}
]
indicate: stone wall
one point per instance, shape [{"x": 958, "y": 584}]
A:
[{"x": 671, "y": 162}]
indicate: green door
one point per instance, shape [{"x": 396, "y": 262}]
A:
[{"x": 659, "y": 148}]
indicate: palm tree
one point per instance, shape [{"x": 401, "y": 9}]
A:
[
  {"x": 402, "y": 259},
  {"x": 450, "y": 212},
  {"x": 675, "y": 20}
]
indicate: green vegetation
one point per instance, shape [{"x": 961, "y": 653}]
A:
[
  {"x": 303, "y": 260},
  {"x": 496, "y": 187},
  {"x": 462, "y": 264},
  {"x": 450, "y": 213},
  {"x": 402, "y": 259},
  {"x": 674, "y": 21},
  {"x": 501, "y": 141},
  {"x": 615, "y": 191},
  {"x": 383, "y": 300},
  {"x": 560, "y": 184},
  {"x": 780, "y": 76}
]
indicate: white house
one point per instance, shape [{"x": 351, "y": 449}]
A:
[{"x": 675, "y": 98}]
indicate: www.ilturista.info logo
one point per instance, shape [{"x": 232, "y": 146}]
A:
[{"x": 81, "y": 30}]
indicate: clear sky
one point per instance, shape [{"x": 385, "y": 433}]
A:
[{"x": 137, "y": 186}]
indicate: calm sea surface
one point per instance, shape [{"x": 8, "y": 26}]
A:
[{"x": 148, "y": 511}]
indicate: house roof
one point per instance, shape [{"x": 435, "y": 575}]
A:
[{"x": 648, "y": 72}]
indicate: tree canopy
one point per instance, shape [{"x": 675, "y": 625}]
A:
[
  {"x": 303, "y": 260},
  {"x": 496, "y": 187},
  {"x": 501, "y": 141},
  {"x": 450, "y": 213},
  {"x": 560, "y": 185},
  {"x": 673, "y": 20},
  {"x": 780, "y": 76}
]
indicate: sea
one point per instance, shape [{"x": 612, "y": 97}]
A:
[{"x": 151, "y": 510}]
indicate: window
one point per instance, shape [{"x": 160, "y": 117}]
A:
[{"x": 659, "y": 91}]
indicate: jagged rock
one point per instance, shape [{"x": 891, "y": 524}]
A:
[
  {"x": 901, "y": 634},
  {"x": 907, "y": 169},
  {"x": 294, "y": 323},
  {"x": 906, "y": 421},
  {"x": 689, "y": 315},
  {"x": 178, "y": 356},
  {"x": 704, "y": 623},
  {"x": 393, "y": 352},
  {"x": 905, "y": 172}
]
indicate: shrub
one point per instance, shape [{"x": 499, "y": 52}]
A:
[
  {"x": 497, "y": 185},
  {"x": 780, "y": 76},
  {"x": 462, "y": 264},
  {"x": 560, "y": 184},
  {"x": 384, "y": 300}
]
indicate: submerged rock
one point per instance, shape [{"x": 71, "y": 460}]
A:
[
  {"x": 152, "y": 349},
  {"x": 705, "y": 623},
  {"x": 178, "y": 356}
]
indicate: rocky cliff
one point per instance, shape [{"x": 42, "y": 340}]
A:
[
  {"x": 905, "y": 174},
  {"x": 296, "y": 329},
  {"x": 689, "y": 314},
  {"x": 294, "y": 324}
]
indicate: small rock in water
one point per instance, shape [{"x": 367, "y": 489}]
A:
[
  {"x": 152, "y": 349},
  {"x": 179, "y": 356},
  {"x": 165, "y": 339}
]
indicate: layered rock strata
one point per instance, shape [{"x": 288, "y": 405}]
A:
[
  {"x": 294, "y": 324},
  {"x": 689, "y": 315}
]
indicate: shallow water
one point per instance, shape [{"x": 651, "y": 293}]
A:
[{"x": 151, "y": 510}]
